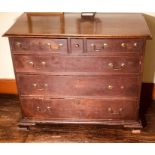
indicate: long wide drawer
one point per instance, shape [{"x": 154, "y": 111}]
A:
[
  {"x": 76, "y": 64},
  {"x": 108, "y": 85},
  {"x": 79, "y": 109}
]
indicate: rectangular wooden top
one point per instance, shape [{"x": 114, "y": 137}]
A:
[{"x": 107, "y": 25}]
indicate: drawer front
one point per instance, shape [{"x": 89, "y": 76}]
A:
[
  {"x": 79, "y": 109},
  {"x": 91, "y": 64},
  {"x": 104, "y": 46},
  {"x": 59, "y": 86},
  {"x": 77, "y": 46},
  {"x": 38, "y": 45}
]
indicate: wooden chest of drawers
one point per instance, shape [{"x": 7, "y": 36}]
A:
[{"x": 74, "y": 70}]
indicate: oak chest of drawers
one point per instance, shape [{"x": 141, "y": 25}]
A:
[{"x": 74, "y": 70}]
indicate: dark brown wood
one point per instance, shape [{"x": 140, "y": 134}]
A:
[
  {"x": 58, "y": 15},
  {"x": 82, "y": 86},
  {"x": 89, "y": 72},
  {"x": 38, "y": 45},
  {"x": 114, "y": 45},
  {"x": 60, "y": 133},
  {"x": 90, "y": 64},
  {"x": 81, "y": 110},
  {"x": 107, "y": 25},
  {"x": 147, "y": 92},
  {"x": 77, "y": 46}
]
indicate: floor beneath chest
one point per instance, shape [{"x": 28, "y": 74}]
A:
[{"x": 9, "y": 131}]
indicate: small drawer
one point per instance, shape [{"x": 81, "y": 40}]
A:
[
  {"x": 63, "y": 86},
  {"x": 38, "y": 45},
  {"x": 105, "y": 46},
  {"x": 73, "y": 64},
  {"x": 83, "y": 109},
  {"x": 76, "y": 46}
]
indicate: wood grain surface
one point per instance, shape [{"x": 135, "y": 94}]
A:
[
  {"x": 9, "y": 131},
  {"x": 104, "y": 25},
  {"x": 104, "y": 59}
]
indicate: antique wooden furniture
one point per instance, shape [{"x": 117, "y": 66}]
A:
[{"x": 79, "y": 70}]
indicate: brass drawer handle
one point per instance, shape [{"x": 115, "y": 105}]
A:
[
  {"x": 114, "y": 112},
  {"x": 111, "y": 65},
  {"x": 105, "y": 44},
  {"x": 49, "y": 45},
  {"x": 122, "y": 64},
  {"x": 55, "y": 46},
  {"x": 38, "y": 109},
  {"x": 45, "y": 85},
  {"x": 43, "y": 63},
  {"x": 123, "y": 44},
  {"x": 95, "y": 49},
  {"x": 98, "y": 49},
  {"x": 60, "y": 45},
  {"x": 110, "y": 87},
  {"x": 18, "y": 44},
  {"x": 38, "y": 67},
  {"x": 34, "y": 85},
  {"x": 38, "y": 86},
  {"x": 48, "y": 108},
  {"x": 127, "y": 45},
  {"x": 31, "y": 63}
]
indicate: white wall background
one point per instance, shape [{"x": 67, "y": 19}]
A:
[
  {"x": 78, "y": 5},
  {"x": 8, "y": 18},
  {"x": 6, "y": 68}
]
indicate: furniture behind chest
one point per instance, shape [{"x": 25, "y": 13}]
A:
[{"x": 73, "y": 69}]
